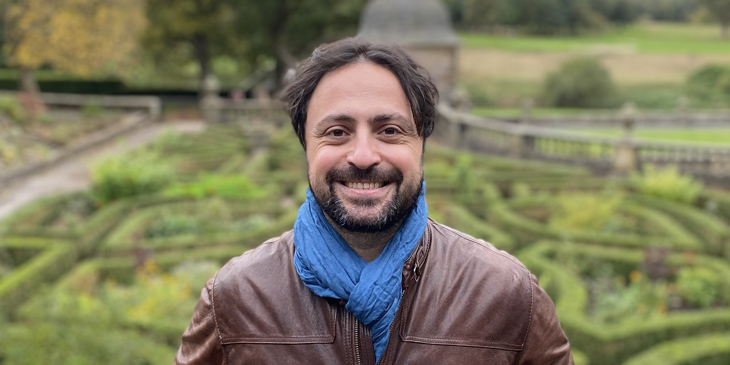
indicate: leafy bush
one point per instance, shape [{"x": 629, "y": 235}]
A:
[
  {"x": 130, "y": 175},
  {"x": 581, "y": 211},
  {"x": 225, "y": 186},
  {"x": 173, "y": 225},
  {"x": 580, "y": 82},
  {"x": 93, "y": 109},
  {"x": 12, "y": 108},
  {"x": 710, "y": 83},
  {"x": 698, "y": 286},
  {"x": 667, "y": 183},
  {"x": 97, "y": 324},
  {"x": 615, "y": 302}
]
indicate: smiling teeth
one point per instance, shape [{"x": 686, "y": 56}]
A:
[{"x": 374, "y": 185}]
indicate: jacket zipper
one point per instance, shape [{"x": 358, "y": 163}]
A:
[{"x": 358, "y": 361}]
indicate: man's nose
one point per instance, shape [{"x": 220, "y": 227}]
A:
[{"x": 364, "y": 153}]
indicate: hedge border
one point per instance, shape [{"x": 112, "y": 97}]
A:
[{"x": 612, "y": 344}]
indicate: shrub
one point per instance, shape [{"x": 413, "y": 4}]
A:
[
  {"x": 667, "y": 183},
  {"x": 580, "y": 82},
  {"x": 173, "y": 225},
  {"x": 225, "y": 186},
  {"x": 12, "y": 108},
  {"x": 698, "y": 286},
  {"x": 572, "y": 212},
  {"x": 93, "y": 109},
  {"x": 130, "y": 175},
  {"x": 710, "y": 83}
]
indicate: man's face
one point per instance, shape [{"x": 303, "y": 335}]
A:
[{"x": 364, "y": 154}]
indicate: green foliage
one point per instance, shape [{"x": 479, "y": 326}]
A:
[
  {"x": 224, "y": 186},
  {"x": 616, "y": 301},
  {"x": 11, "y": 107},
  {"x": 46, "y": 267},
  {"x": 667, "y": 183},
  {"x": 172, "y": 225},
  {"x": 96, "y": 325},
  {"x": 583, "y": 211},
  {"x": 464, "y": 180},
  {"x": 709, "y": 349},
  {"x": 710, "y": 83},
  {"x": 93, "y": 109},
  {"x": 130, "y": 175},
  {"x": 580, "y": 82},
  {"x": 699, "y": 286}
]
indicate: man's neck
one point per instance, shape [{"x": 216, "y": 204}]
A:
[{"x": 367, "y": 245}]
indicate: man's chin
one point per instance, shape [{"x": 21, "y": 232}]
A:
[{"x": 370, "y": 217}]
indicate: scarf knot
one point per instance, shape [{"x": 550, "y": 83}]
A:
[{"x": 330, "y": 268}]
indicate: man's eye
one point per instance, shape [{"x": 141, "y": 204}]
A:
[
  {"x": 390, "y": 130},
  {"x": 337, "y": 133}
]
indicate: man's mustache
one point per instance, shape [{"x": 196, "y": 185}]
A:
[{"x": 373, "y": 173}]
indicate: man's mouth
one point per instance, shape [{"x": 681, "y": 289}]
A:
[{"x": 363, "y": 185}]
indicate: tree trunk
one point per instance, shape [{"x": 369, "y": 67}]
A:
[
  {"x": 29, "y": 95},
  {"x": 202, "y": 54},
  {"x": 28, "y": 83},
  {"x": 724, "y": 30}
]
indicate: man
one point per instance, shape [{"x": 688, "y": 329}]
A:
[{"x": 365, "y": 277}]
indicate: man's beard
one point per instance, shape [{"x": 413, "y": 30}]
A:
[{"x": 395, "y": 210}]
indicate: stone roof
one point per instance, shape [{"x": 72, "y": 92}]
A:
[{"x": 407, "y": 23}]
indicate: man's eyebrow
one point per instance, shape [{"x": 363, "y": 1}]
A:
[
  {"x": 342, "y": 118},
  {"x": 385, "y": 117}
]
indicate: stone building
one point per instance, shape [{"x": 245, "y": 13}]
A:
[{"x": 423, "y": 28}]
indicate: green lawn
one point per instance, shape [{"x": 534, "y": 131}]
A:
[
  {"x": 691, "y": 135},
  {"x": 695, "y": 135},
  {"x": 643, "y": 38}
]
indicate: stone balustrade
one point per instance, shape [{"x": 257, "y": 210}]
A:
[{"x": 602, "y": 154}]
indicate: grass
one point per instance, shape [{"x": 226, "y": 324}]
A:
[
  {"x": 539, "y": 112},
  {"x": 668, "y": 38},
  {"x": 720, "y": 136},
  {"x": 649, "y": 62}
]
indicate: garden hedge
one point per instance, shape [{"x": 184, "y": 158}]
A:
[
  {"x": 709, "y": 349},
  {"x": 526, "y": 230},
  {"x": 615, "y": 343},
  {"x": 43, "y": 268}
]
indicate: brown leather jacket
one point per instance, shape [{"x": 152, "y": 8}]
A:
[{"x": 464, "y": 302}]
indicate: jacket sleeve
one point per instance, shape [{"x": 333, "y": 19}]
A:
[
  {"x": 201, "y": 341},
  {"x": 546, "y": 342}
]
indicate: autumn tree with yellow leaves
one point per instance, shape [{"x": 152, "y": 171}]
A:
[{"x": 78, "y": 36}]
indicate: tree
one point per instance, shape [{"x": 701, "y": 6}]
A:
[
  {"x": 549, "y": 16},
  {"x": 79, "y": 36},
  {"x": 721, "y": 10},
  {"x": 199, "y": 30},
  {"x": 287, "y": 30}
]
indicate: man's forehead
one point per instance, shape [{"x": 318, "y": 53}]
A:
[{"x": 360, "y": 91}]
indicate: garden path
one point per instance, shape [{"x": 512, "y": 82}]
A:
[{"x": 73, "y": 173}]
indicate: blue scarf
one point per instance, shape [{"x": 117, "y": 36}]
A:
[{"x": 330, "y": 268}]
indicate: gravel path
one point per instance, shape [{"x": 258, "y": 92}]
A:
[{"x": 73, "y": 174}]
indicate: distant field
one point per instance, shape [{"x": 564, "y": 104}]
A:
[
  {"x": 694, "y": 135},
  {"x": 649, "y": 61},
  {"x": 640, "y": 38},
  {"x": 690, "y": 135}
]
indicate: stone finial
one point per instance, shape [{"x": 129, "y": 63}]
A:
[
  {"x": 628, "y": 116},
  {"x": 210, "y": 104},
  {"x": 527, "y": 105}
]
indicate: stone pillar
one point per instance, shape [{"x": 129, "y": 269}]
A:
[
  {"x": 682, "y": 115},
  {"x": 457, "y": 133},
  {"x": 211, "y": 103},
  {"x": 626, "y": 155},
  {"x": 527, "y": 105}
]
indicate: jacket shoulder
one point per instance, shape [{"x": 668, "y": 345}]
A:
[
  {"x": 468, "y": 283},
  {"x": 256, "y": 295}
]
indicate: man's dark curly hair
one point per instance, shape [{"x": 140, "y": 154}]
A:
[{"x": 420, "y": 91}]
